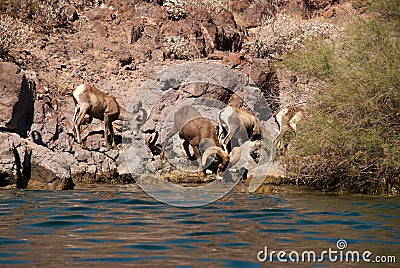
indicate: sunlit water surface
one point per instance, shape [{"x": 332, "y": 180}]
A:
[{"x": 122, "y": 225}]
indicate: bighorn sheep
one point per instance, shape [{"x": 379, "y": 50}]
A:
[
  {"x": 199, "y": 132},
  {"x": 238, "y": 124},
  {"x": 90, "y": 100},
  {"x": 287, "y": 118}
]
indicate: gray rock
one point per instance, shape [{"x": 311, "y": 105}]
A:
[
  {"x": 29, "y": 165},
  {"x": 113, "y": 154},
  {"x": 81, "y": 154},
  {"x": 12, "y": 168}
]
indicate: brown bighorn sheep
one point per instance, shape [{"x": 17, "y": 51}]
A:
[
  {"x": 287, "y": 118},
  {"x": 199, "y": 132},
  {"x": 91, "y": 101},
  {"x": 181, "y": 117},
  {"x": 238, "y": 124}
]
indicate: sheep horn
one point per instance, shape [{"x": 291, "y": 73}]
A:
[
  {"x": 234, "y": 156},
  {"x": 213, "y": 150}
]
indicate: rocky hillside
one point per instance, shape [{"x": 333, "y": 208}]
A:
[{"x": 48, "y": 49}]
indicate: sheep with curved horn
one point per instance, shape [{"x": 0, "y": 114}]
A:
[{"x": 199, "y": 133}]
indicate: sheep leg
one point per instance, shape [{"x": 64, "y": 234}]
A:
[
  {"x": 110, "y": 127},
  {"x": 170, "y": 134},
  {"x": 106, "y": 129},
  {"x": 187, "y": 151},
  {"x": 228, "y": 139},
  {"x": 283, "y": 128},
  {"x": 78, "y": 121},
  {"x": 196, "y": 152},
  {"x": 76, "y": 113},
  {"x": 75, "y": 118}
]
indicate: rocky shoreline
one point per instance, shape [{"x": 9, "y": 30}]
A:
[
  {"x": 38, "y": 145},
  {"x": 39, "y": 150}
]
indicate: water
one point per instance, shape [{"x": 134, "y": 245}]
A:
[{"x": 121, "y": 225}]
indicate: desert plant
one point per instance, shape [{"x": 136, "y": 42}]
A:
[
  {"x": 51, "y": 15},
  {"x": 12, "y": 33},
  {"x": 285, "y": 34},
  {"x": 44, "y": 15},
  {"x": 178, "y": 47},
  {"x": 175, "y": 9},
  {"x": 351, "y": 140}
]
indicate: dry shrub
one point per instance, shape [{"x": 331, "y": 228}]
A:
[
  {"x": 178, "y": 47},
  {"x": 285, "y": 34},
  {"x": 175, "y": 9},
  {"x": 44, "y": 15},
  {"x": 209, "y": 5},
  {"x": 13, "y": 32}
]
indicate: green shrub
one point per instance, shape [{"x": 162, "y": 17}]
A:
[
  {"x": 316, "y": 59},
  {"x": 351, "y": 139}
]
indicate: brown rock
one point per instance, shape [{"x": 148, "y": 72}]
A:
[
  {"x": 235, "y": 60},
  {"x": 223, "y": 17},
  {"x": 329, "y": 12},
  {"x": 125, "y": 58},
  {"x": 298, "y": 7},
  {"x": 240, "y": 6},
  {"x": 17, "y": 99},
  {"x": 318, "y": 4},
  {"x": 183, "y": 30},
  {"x": 47, "y": 123},
  {"x": 96, "y": 13},
  {"x": 136, "y": 33},
  {"x": 265, "y": 79},
  {"x": 141, "y": 53},
  {"x": 70, "y": 12},
  {"x": 227, "y": 39},
  {"x": 257, "y": 14},
  {"x": 206, "y": 32},
  {"x": 151, "y": 13}
]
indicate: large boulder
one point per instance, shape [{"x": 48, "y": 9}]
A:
[
  {"x": 177, "y": 86},
  {"x": 17, "y": 99},
  {"x": 28, "y": 165}
]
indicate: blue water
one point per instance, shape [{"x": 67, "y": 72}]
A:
[{"x": 116, "y": 225}]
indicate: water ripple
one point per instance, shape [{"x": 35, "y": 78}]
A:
[{"x": 91, "y": 227}]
